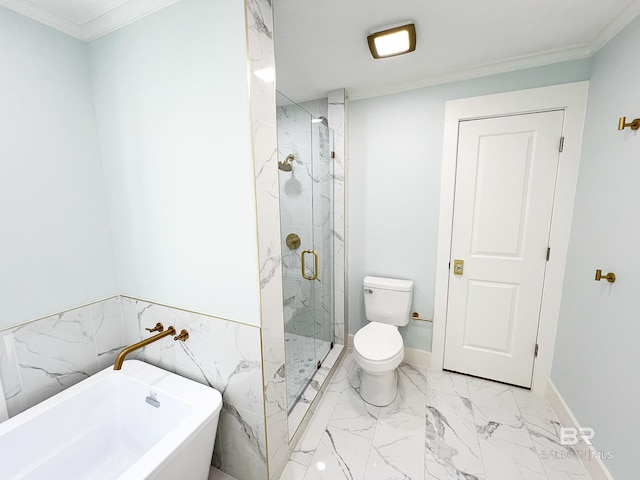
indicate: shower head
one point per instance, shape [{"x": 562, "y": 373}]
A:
[{"x": 287, "y": 164}]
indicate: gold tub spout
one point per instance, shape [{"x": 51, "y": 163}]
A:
[{"x": 121, "y": 356}]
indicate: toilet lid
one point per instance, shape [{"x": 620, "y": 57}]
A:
[{"x": 378, "y": 341}]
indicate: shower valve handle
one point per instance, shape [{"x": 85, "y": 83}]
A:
[{"x": 158, "y": 328}]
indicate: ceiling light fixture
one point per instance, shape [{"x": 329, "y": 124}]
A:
[{"x": 393, "y": 41}]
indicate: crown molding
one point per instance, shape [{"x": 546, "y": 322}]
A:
[
  {"x": 28, "y": 9},
  {"x": 122, "y": 15},
  {"x": 624, "y": 18},
  {"x": 484, "y": 70},
  {"x": 114, "y": 19}
]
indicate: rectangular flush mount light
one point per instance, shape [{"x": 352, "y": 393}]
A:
[{"x": 393, "y": 41}]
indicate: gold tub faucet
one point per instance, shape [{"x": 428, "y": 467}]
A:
[{"x": 158, "y": 328}]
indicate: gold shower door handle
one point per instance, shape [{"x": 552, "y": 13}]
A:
[{"x": 315, "y": 268}]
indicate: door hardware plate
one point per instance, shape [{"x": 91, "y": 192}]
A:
[{"x": 458, "y": 267}]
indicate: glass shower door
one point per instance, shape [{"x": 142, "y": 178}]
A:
[
  {"x": 306, "y": 215},
  {"x": 322, "y": 142}
]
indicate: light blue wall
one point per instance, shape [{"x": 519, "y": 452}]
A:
[
  {"x": 172, "y": 102},
  {"x": 597, "y": 358},
  {"x": 55, "y": 246},
  {"x": 395, "y": 153}
]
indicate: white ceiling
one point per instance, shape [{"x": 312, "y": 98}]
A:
[{"x": 322, "y": 45}]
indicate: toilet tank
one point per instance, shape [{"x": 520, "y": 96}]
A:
[{"x": 387, "y": 300}]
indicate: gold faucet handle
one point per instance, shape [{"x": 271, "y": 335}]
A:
[
  {"x": 158, "y": 328},
  {"x": 183, "y": 336}
]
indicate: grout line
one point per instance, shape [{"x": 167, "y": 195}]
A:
[
  {"x": 526, "y": 426},
  {"x": 475, "y": 423}
]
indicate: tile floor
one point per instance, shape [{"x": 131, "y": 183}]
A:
[
  {"x": 441, "y": 426},
  {"x": 302, "y": 356}
]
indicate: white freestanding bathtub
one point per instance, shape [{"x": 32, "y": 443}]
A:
[{"x": 138, "y": 423}]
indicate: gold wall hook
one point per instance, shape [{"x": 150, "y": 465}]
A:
[
  {"x": 635, "y": 125},
  {"x": 610, "y": 277}
]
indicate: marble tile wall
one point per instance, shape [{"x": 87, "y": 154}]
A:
[
  {"x": 43, "y": 357},
  {"x": 259, "y": 15},
  {"x": 46, "y": 356},
  {"x": 224, "y": 355}
]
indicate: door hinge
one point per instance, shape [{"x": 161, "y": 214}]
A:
[
  {"x": 561, "y": 144},
  {"x": 548, "y": 253},
  {"x": 535, "y": 352}
]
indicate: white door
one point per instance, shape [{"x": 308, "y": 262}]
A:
[{"x": 505, "y": 184}]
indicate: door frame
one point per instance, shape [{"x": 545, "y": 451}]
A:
[{"x": 572, "y": 98}]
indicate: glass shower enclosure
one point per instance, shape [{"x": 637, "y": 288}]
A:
[{"x": 305, "y": 164}]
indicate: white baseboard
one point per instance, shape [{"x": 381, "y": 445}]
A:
[
  {"x": 417, "y": 357},
  {"x": 589, "y": 456},
  {"x": 412, "y": 356}
]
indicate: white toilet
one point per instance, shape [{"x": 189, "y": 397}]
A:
[{"x": 377, "y": 347}]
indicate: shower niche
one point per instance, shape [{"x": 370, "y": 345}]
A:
[{"x": 305, "y": 170}]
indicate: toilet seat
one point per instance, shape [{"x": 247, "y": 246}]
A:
[
  {"x": 378, "y": 342},
  {"x": 378, "y": 348}
]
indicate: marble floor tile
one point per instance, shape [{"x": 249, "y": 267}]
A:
[
  {"x": 340, "y": 455},
  {"x": 560, "y": 462},
  {"x": 496, "y": 413},
  {"x": 341, "y": 377},
  {"x": 293, "y": 471},
  {"x": 307, "y": 445},
  {"x": 397, "y": 451},
  {"x": 352, "y": 414},
  {"x": 441, "y": 426},
  {"x": 451, "y": 437},
  {"x": 448, "y": 382},
  {"x": 216, "y": 474},
  {"x": 509, "y": 461}
]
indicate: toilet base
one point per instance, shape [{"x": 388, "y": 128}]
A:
[{"x": 379, "y": 389}]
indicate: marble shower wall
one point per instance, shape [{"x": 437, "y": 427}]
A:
[
  {"x": 46, "y": 356},
  {"x": 259, "y": 15}
]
